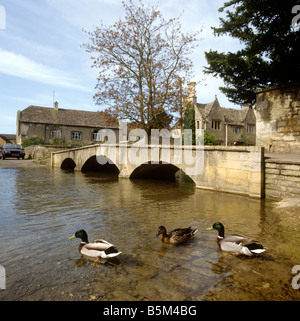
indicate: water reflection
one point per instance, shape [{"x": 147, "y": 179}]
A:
[{"x": 40, "y": 208}]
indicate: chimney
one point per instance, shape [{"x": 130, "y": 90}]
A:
[
  {"x": 56, "y": 105},
  {"x": 192, "y": 93}
]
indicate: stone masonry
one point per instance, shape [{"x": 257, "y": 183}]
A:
[
  {"x": 282, "y": 178},
  {"x": 278, "y": 118}
]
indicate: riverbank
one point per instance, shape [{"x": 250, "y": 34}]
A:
[{"x": 19, "y": 163}]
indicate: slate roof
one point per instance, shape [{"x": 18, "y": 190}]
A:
[
  {"x": 231, "y": 116},
  {"x": 8, "y": 137},
  {"x": 67, "y": 117}
]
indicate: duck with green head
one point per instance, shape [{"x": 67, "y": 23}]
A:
[
  {"x": 236, "y": 244},
  {"x": 97, "y": 249}
]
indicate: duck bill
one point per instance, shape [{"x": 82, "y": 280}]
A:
[
  {"x": 209, "y": 228},
  {"x": 72, "y": 237},
  {"x": 156, "y": 235}
]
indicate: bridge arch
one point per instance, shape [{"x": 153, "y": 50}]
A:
[
  {"x": 162, "y": 170},
  {"x": 92, "y": 165},
  {"x": 68, "y": 164}
]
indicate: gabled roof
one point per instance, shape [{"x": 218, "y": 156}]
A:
[
  {"x": 205, "y": 109},
  {"x": 68, "y": 117},
  {"x": 235, "y": 116},
  {"x": 231, "y": 116}
]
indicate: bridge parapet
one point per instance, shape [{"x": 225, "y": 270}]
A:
[{"x": 229, "y": 169}]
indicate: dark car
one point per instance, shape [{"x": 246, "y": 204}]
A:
[{"x": 12, "y": 150}]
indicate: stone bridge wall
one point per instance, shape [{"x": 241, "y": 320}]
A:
[{"x": 237, "y": 170}]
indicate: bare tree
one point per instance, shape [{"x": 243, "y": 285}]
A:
[{"x": 143, "y": 62}]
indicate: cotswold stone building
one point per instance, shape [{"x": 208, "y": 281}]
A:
[
  {"x": 74, "y": 127},
  {"x": 278, "y": 118},
  {"x": 231, "y": 126}
]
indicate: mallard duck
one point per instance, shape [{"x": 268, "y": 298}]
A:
[
  {"x": 236, "y": 244},
  {"x": 98, "y": 249},
  {"x": 176, "y": 236}
]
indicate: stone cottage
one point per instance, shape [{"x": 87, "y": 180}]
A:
[
  {"x": 74, "y": 127},
  {"x": 231, "y": 126}
]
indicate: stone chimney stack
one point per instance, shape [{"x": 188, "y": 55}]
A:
[
  {"x": 192, "y": 93},
  {"x": 56, "y": 105}
]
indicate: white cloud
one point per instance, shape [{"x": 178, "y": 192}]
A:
[{"x": 20, "y": 66}]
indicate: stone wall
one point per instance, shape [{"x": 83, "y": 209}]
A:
[
  {"x": 238, "y": 170},
  {"x": 42, "y": 154},
  {"x": 278, "y": 118},
  {"x": 282, "y": 178},
  {"x": 43, "y": 131}
]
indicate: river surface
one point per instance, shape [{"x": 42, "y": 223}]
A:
[{"x": 40, "y": 208}]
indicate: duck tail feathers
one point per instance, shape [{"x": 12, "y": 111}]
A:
[
  {"x": 113, "y": 254},
  {"x": 194, "y": 231},
  {"x": 258, "y": 251}
]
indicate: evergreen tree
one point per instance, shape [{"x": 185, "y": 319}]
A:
[
  {"x": 271, "y": 51},
  {"x": 189, "y": 120}
]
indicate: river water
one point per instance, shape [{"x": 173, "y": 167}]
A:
[{"x": 40, "y": 208}]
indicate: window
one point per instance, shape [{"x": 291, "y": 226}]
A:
[
  {"x": 250, "y": 128},
  {"x": 235, "y": 130},
  {"x": 96, "y": 136},
  {"x": 55, "y": 132},
  {"x": 216, "y": 124},
  {"x": 76, "y": 136}
]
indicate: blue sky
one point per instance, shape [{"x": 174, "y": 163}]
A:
[{"x": 41, "y": 53}]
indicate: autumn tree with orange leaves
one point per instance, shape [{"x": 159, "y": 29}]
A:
[{"x": 143, "y": 62}]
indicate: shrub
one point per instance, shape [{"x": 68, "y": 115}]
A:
[
  {"x": 210, "y": 139},
  {"x": 32, "y": 141}
]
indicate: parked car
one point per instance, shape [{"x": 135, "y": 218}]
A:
[{"x": 12, "y": 150}]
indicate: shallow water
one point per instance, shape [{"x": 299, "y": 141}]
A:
[{"x": 40, "y": 208}]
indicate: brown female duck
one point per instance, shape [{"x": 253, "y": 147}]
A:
[{"x": 177, "y": 236}]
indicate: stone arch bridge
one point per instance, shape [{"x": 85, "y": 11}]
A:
[
  {"x": 238, "y": 170},
  {"x": 133, "y": 161}
]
